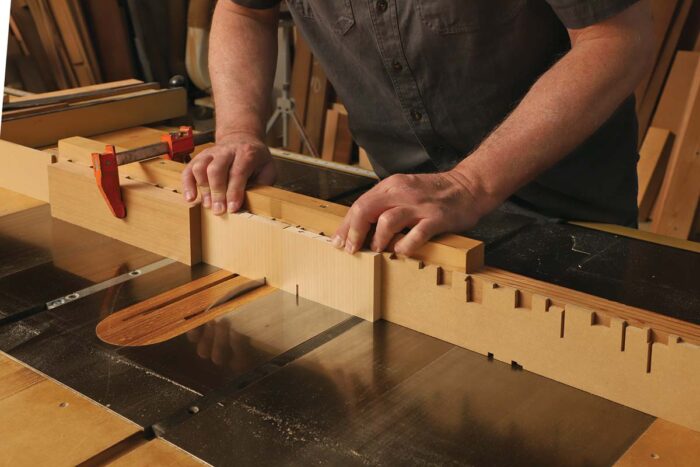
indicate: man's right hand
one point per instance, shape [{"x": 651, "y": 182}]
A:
[{"x": 221, "y": 173}]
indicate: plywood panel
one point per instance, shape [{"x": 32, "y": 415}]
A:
[
  {"x": 663, "y": 444},
  {"x": 45, "y": 423}
]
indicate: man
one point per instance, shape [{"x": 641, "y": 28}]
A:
[{"x": 537, "y": 94}]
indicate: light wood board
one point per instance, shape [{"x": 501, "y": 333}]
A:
[
  {"x": 45, "y": 423},
  {"x": 653, "y": 159},
  {"x": 663, "y": 444},
  {"x": 175, "y": 312},
  {"x": 294, "y": 260},
  {"x": 680, "y": 191},
  {"x": 95, "y": 117},
  {"x": 157, "y": 220},
  {"x": 11, "y": 202},
  {"x": 23, "y": 170},
  {"x": 570, "y": 337}
]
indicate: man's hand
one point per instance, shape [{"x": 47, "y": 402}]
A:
[
  {"x": 428, "y": 204},
  {"x": 222, "y": 172}
]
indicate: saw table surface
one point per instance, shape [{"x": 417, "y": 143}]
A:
[{"x": 287, "y": 381}]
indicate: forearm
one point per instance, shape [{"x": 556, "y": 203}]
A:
[
  {"x": 242, "y": 61},
  {"x": 563, "y": 108}
]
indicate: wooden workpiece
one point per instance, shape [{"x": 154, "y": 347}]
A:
[
  {"x": 24, "y": 170},
  {"x": 157, "y": 220},
  {"x": 95, "y": 117}
]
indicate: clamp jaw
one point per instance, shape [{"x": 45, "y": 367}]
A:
[
  {"x": 107, "y": 177},
  {"x": 175, "y": 146},
  {"x": 180, "y": 144}
]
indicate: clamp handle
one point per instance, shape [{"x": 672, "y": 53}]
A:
[{"x": 107, "y": 176}]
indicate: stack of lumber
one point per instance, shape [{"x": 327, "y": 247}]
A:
[
  {"x": 53, "y": 44},
  {"x": 337, "y": 140},
  {"x": 325, "y": 120},
  {"x": 62, "y": 44},
  {"x": 669, "y": 120}
]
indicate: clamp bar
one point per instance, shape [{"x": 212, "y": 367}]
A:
[{"x": 174, "y": 146}]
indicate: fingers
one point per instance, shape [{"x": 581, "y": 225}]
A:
[
  {"x": 199, "y": 171},
  {"x": 221, "y": 173},
  {"x": 189, "y": 184},
  {"x": 241, "y": 170},
  {"x": 359, "y": 219},
  {"x": 389, "y": 224},
  {"x": 419, "y": 235},
  {"x": 217, "y": 175}
]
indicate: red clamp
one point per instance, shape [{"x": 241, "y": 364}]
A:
[
  {"x": 180, "y": 144},
  {"x": 107, "y": 176}
]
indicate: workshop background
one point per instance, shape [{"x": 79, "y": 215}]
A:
[{"x": 61, "y": 44}]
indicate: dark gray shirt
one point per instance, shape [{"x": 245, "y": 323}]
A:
[{"x": 425, "y": 81}]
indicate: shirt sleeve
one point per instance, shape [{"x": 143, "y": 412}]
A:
[
  {"x": 576, "y": 14},
  {"x": 257, "y": 4}
]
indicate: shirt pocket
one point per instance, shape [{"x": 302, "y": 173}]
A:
[
  {"x": 459, "y": 16},
  {"x": 336, "y": 13}
]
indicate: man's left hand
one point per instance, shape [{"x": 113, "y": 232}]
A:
[{"x": 428, "y": 204}]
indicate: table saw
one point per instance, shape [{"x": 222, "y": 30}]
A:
[{"x": 283, "y": 379}]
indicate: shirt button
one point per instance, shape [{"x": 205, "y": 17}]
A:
[
  {"x": 382, "y": 6},
  {"x": 396, "y": 65},
  {"x": 415, "y": 115}
]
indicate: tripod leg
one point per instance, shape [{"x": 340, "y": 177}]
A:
[
  {"x": 304, "y": 136},
  {"x": 272, "y": 120}
]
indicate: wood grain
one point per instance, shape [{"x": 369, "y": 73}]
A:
[
  {"x": 45, "y": 423},
  {"x": 680, "y": 192},
  {"x": 147, "y": 323},
  {"x": 299, "y": 90},
  {"x": 94, "y": 117},
  {"x": 24, "y": 170},
  {"x": 157, "y": 220},
  {"x": 663, "y": 62},
  {"x": 653, "y": 159},
  {"x": 11, "y": 202},
  {"x": 294, "y": 260}
]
